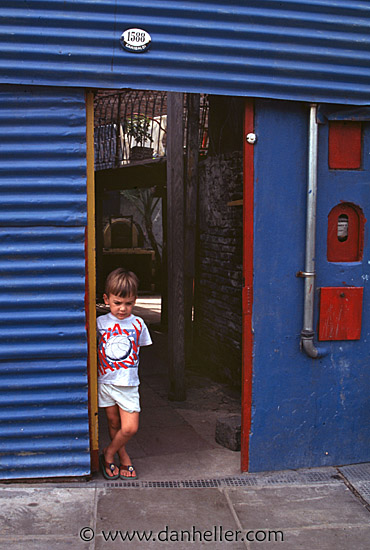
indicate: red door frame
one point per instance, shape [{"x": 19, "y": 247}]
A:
[{"x": 247, "y": 338}]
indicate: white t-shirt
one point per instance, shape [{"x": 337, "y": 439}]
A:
[{"x": 119, "y": 342}]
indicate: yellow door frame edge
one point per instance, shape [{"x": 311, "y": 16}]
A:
[{"x": 91, "y": 281}]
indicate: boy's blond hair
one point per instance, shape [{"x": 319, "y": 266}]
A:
[{"x": 122, "y": 283}]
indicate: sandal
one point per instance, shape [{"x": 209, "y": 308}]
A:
[
  {"x": 129, "y": 468},
  {"x": 104, "y": 465}
]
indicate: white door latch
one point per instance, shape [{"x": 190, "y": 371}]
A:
[{"x": 251, "y": 138}]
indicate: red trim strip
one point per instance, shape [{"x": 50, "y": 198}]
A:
[{"x": 247, "y": 341}]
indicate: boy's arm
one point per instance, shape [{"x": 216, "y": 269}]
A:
[{"x": 145, "y": 338}]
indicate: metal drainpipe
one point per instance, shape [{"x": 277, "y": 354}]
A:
[{"x": 307, "y": 334}]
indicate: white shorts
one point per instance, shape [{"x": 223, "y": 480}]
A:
[{"x": 126, "y": 397}]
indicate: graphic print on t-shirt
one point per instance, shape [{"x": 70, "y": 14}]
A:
[{"x": 118, "y": 347}]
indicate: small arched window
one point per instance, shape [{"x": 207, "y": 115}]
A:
[
  {"x": 342, "y": 232},
  {"x": 346, "y": 225}
]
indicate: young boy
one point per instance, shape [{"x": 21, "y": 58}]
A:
[{"x": 120, "y": 336}]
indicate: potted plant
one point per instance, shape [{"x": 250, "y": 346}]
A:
[{"x": 137, "y": 128}]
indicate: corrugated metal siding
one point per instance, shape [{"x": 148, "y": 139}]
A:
[
  {"x": 44, "y": 429},
  {"x": 292, "y": 49},
  {"x": 43, "y": 157}
]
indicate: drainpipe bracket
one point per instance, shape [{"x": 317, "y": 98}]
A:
[
  {"x": 305, "y": 274},
  {"x": 307, "y": 334}
]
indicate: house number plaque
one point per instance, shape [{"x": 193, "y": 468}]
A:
[{"x": 135, "y": 40}]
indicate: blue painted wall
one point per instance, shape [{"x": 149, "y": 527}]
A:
[{"x": 305, "y": 412}]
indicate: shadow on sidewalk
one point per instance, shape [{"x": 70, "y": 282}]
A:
[{"x": 176, "y": 440}]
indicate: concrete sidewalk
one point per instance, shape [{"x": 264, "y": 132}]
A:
[{"x": 309, "y": 509}]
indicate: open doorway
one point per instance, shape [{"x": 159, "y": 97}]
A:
[{"x": 131, "y": 222}]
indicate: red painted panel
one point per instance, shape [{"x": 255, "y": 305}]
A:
[
  {"x": 347, "y": 248},
  {"x": 248, "y": 214},
  {"x": 345, "y": 145},
  {"x": 340, "y": 313}
]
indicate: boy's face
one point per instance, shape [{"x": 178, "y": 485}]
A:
[{"x": 120, "y": 307}]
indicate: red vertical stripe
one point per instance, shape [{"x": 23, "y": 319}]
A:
[{"x": 248, "y": 212}]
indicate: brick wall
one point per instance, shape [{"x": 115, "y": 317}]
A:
[{"x": 218, "y": 298}]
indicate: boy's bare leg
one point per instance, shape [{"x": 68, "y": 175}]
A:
[
  {"x": 129, "y": 424},
  {"x": 114, "y": 424}
]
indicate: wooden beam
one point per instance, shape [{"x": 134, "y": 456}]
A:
[
  {"x": 175, "y": 246},
  {"x": 191, "y": 207},
  {"x": 143, "y": 175}
]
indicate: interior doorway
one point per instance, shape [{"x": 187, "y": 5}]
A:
[{"x": 128, "y": 186}]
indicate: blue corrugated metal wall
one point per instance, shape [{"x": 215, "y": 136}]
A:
[
  {"x": 290, "y": 49},
  {"x": 44, "y": 428}
]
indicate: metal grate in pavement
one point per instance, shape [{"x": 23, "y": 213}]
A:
[
  {"x": 299, "y": 478},
  {"x": 178, "y": 484},
  {"x": 247, "y": 480},
  {"x": 356, "y": 472},
  {"x": 358, "y": 477},
  {"x": 363, "y": 488}
]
